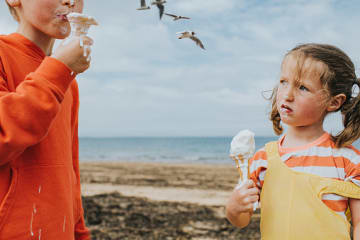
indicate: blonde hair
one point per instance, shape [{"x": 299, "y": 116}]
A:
[
  {"x": 338, "y": 77},
  {"x": 13, "y": 12}
]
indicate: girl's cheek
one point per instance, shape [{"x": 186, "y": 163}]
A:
[{"x": 278, "y": 94}]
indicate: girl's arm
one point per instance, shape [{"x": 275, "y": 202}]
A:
[{"x": 355, "y": 217}]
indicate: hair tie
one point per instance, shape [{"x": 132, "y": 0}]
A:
[{"x": 355, "y": 89}]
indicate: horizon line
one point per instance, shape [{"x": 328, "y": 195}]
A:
[{"x": 174, "y": 136}]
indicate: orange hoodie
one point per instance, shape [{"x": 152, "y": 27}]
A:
[{"x": 39, "y": 167}]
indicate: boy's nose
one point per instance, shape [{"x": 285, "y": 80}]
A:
[
  {"x": 75, "y": 5},
  {"x": 69, "y": 3}
]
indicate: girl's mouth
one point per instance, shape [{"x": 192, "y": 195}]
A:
[{"x": 285, "y": 109}]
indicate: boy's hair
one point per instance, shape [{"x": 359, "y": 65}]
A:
[
  {"x": 13, "y": 12},
  {"x": 338, "y": 76}
]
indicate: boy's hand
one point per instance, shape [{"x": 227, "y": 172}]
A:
[
  {"x": 243, "y": 198},
  {"x": 75, "y": 53}
]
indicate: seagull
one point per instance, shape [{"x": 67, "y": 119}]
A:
[
  {"x": 160, "y": 5},
  {"x": 176, "y": 17},
  {"x": 191, "y": 35},
  {"x": 143, "y": 5}
]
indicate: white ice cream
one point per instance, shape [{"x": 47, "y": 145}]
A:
[
  {"x": 243, "y": 144},
  {"x": 80, "y": 23}
]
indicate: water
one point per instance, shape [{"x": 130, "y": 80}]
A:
[{"x": 161, "y": 149}]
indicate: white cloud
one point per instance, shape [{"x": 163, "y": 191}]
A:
[
  {"x": 145, "y": 81},
  {"x": 209, "y": 7}
]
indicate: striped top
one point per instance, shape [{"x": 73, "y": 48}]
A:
[{"x": 319, "y": 158}]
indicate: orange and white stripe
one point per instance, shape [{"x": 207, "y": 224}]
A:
[{"x": 320, "y": 158}]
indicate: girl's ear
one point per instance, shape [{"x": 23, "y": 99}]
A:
[
  {"x": 14, "y": 3},
  {"x": 336, "y": 102}
]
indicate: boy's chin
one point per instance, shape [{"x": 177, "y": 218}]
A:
[
  {"x": 62, "y": 32},
  {"x": 61, "y": 36}
]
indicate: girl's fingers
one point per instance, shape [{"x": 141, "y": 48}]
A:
[
  {"x": 251, "y": 199},
  {"x": 249, "y": 183},
  {"x": 253, "y": 191},
  {"x": 249, "y": 207},
  {"x": 254, "y": 198},
  {"x": 245, "y": 185}
]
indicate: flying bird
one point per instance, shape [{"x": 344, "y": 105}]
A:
[
  {"x": 160, "y": 5},
  {"x": 175, "y": 17},
  {"x": 143, "y": 5},
  {"x": 191, "y": 35}
]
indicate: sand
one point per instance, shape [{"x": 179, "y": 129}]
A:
[{"x": 160, "y": 201}]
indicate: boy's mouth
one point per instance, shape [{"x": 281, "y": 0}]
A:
[
  {"x": 285, "y": 108},
  {"x": 63, "y": 16}
]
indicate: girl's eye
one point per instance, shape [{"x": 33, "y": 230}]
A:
[
  {"x": 303, "y": 88},
  {"x": 282, "y": 81}
]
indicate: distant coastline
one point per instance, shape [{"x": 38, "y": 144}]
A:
[{"x": 160, "y": 149}]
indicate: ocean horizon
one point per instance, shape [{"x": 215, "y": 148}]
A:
[{"x": 214, "y": 150}]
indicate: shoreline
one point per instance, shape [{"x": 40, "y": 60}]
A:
[{"x": 205, "y": 184}]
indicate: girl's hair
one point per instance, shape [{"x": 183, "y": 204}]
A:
[
  {"x": 337, "y": 76},
  {"x": 13, "y": 12}
]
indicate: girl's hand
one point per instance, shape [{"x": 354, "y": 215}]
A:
[
  {"x": 75, "y": 53},
  {"x": 244, "y": 197}
]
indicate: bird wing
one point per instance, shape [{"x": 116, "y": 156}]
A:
[
  {"x": 185, "y": 17},
  {"x": 171, "y": 15},
  {"x": 161, "y": 9},
  {"x": 198, "y": 42}
]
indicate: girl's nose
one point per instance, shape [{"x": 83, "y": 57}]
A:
[{"x": 289, "y": 94}]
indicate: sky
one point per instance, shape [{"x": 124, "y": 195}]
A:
[{"x": 143, "y": 81}]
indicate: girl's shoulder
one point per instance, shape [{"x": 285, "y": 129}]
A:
[
  {"x": 259, "y": 161},
  {"x": 260, "y": 154},
  {"x": 350, "y": 154}
]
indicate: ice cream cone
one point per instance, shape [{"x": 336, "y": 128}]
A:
[
  {"x": 80, "y": 23},
  {"x": 241, "y": 150},
  {"x": 237, "y": 159}
]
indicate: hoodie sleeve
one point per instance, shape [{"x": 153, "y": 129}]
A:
[
  {"x": 81, "y": 231},
  {"x": 27, "y": 113}
]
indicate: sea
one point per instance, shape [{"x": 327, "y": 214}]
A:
[{"x": 211, "y": 150}]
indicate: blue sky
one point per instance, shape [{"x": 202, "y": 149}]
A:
[{"x": 145, "y": 82}]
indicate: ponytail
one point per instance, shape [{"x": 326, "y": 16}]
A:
[
  {"x": 351, "y": 120},
  {"x": 275, "y": 115}
]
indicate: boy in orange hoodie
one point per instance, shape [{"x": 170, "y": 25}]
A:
[{"x": 40, "y": 194}]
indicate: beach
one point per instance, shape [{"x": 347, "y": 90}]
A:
[{"x": 140, "y": 200}]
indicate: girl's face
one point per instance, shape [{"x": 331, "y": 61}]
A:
[
  {"x": 302, "y": 102},
  {"x": 46, "y": 18}
]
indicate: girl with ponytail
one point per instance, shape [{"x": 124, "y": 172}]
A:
[{"x": 309, "y": 179}]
